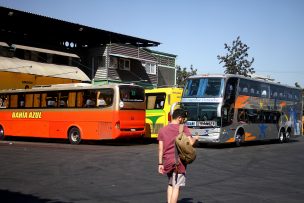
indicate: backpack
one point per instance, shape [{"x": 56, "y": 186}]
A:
[{"x": 186, "y": 151}]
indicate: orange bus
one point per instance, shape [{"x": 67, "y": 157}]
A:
[{"x": 76, "y": 112}]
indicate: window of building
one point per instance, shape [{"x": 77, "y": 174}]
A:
[
  {"x": 150, "y": 67},
  {"x": 124, "y": 64},
  {"x": 113, "y": 62}
]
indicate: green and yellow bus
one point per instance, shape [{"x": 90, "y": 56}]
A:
[{"x": 160, "y": 102}]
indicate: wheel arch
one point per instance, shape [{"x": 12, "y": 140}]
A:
[
  {"x": 72, "y": 138},
  {"x": 73, "y": 126},
  {"x": 240, "y": 130}
]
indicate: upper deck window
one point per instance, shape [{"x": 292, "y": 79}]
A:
[{"x": 204, "y": 87}]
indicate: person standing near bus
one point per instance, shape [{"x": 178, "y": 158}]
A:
[{"x": 167, "y": 156}]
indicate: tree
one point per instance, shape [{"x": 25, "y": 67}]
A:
[
  {"x": 235, "y": 61},
  {"x": 183, "y": 74},
  {"x": 297, "y": 85}
]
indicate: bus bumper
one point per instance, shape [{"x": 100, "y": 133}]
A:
[{"x": 207, "y": 135}]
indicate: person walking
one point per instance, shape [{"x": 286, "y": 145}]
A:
[{"x": 176, "y": 172}]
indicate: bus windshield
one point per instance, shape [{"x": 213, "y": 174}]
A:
[
  {"x": 204, "y": 87},
  {"x": 202, "y": 114},
  {"x": 155, "y": 100}
]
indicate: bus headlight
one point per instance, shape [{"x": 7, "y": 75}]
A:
[{"x": 121, "y": 104}]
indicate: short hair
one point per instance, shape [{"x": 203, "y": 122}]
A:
[{"x": 179, "y": 113}]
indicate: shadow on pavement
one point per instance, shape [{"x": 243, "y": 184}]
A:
[
  {"x": 114, "y": 142},
  {"x": 16, "y": 197},
  {"x": 245, "y": 144},
  {"x": 187, "y": 200}
]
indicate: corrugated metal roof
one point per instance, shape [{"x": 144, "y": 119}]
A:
[
  {"x": 17, "y": 46},
  {"x": 15, "y": 23},
  {"x": 43, "y": 69}
]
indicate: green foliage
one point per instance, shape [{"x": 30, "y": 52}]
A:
[
  {"x": 183, "y": 74},
  {"x": 235, "y": 61}
]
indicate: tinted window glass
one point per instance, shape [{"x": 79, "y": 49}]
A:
[
  {"x": 204, "y": 87},
  {"x": 155, "y": 100},
  {"x": 131, "y": 94}
]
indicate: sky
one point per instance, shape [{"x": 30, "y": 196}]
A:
[{"x": 196, "y": 30}]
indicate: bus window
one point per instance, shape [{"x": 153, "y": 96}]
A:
[
  {"x": 131, "y": 94},
  {"x": 13, "y": 101},
  {"x": 242, "y": 115},
  {"x": 21, "y": 101},
  {"x": 205, "y": 87},
  {"x": 63, "y": 99},
  {"x": 43, "y": 100},
  {"x": 80, "y": 99},
  {"x": 29, "y": 100},
  {"x": 4, "y": 101},
  {"x": 72, "y": 99},
  {"x": 227, "y": 117},
  {"x": 36, "y": 100},
  {"x": 252, "y": 115},
  {"x": 192, "y": 87},
  {"x": 156, "y": 101},
  {"x": 213, "y": 88},
  {"x": 230, "y": 90},
  {"x": 51, "y": 99},
  {"x": 90, "y": 98},
  {"x": 105, "y": 97},
  {"x": 243, "y": 87}
]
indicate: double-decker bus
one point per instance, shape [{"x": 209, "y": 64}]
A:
[
  {"x": 74, "y": 111},
  {"x": 160, "y": 102},
  {"x": 232, "y": 108}
]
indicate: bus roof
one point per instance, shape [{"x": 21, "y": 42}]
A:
[
  {"x": 165, "y": 89},
  {"x": 68, "y": 86},
  {"x": 240, "y": 76}
]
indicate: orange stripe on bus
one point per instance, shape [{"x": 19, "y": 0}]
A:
[{"x": 241, "y": 101}]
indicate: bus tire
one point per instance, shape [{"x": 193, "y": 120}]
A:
[
  {"x": 238, "y": 139},
  {"x": 74, "y": 135},
  {"x": 282, "y": 137},
  {"x": 287, "y": 136},
  {"x": 1, "y": 133}
]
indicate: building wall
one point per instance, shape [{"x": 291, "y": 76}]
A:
[
  {"x": 105, "y": 61},
  {"x": 166, "y": 69},
  {"x": 166, "y": 76}
]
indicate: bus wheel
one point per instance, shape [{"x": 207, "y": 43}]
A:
[
  {"x": 238, "y": 139},
  {"x": 282, "y": 137},
  {"x": 1, "y": 133},
  {"x": 74, "y": 135},
  {"x": 287, "y": 136}
]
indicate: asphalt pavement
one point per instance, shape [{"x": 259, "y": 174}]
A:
[{"x": 51, "y": 171}]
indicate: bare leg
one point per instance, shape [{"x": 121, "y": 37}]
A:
[{"x": 172, "y": 194}]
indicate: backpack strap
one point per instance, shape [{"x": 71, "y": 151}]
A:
[{"x": 180, "y": 130}]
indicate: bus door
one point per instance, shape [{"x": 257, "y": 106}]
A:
[{"x": 106, "y": 112}]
